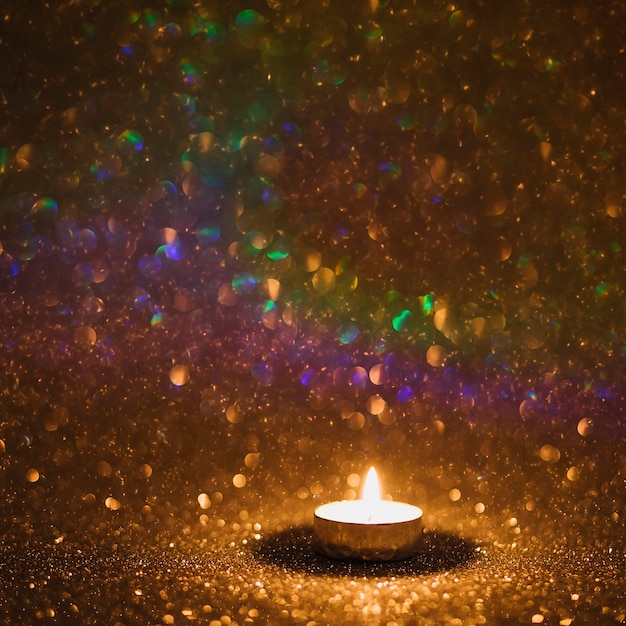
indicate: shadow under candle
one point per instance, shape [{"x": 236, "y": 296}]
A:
[{"x": 292, "y": 549}]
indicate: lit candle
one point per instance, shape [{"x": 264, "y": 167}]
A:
[{"x": 370, "y": 529}]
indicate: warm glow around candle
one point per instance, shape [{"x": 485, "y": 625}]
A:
[
  {"x": 371, "y": 488},
  {"x": 370, "y": 528},
  {"x": 370, "y": 508}
]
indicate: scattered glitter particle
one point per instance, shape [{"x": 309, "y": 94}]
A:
[
  {"x": 179, "y": 375},
  {"x": 401, "y": 321},
  {"x": 239, "y": 480},
  {"x": 113, "y": 504},
  {"x": 454, "y": 495},
  {"x": 204, "y": 501},
  {"x": 549, "y": 453},
  {"x": 585, "y": 427},
  {"x": 436, "y": 355},
  {"x": 32, "y": 475},
  {"x": 324, "y": 280}
]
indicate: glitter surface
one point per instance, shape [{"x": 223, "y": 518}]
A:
[{"x": 249, "y": 249}]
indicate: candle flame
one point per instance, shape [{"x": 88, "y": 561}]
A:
[{"x": 371, "y": 488}]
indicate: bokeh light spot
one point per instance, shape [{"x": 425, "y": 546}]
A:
[
  {"x": 348, "y": 333},
  {"x": 324, "y": 280},
  {"x": 239, "y": 480},
  {"x": 402, "y": 320},
  {"x": 179, "y": 375}
]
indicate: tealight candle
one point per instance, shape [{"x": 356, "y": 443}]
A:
[{"x": 370, "y": 529}]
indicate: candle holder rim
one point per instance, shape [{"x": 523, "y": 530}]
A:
[{"x": 417, "y": 511}]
